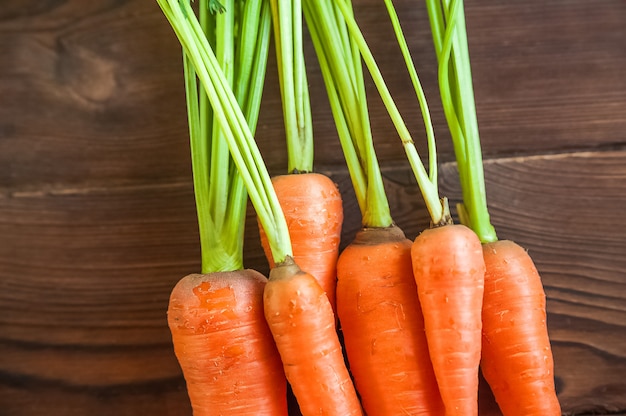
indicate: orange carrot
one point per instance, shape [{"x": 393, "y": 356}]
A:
[
  {"x": 383, "y": 325},
  {"x": 303, "y": 325},
  {"x": 449, "y": 270},
  {"x": 517, "y": 358},
  {"x": 313, "y": 210},
  {"x": 224, "y": 346}
]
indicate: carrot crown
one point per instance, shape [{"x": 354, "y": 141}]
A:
[
  {"x": 447, "y": 21},
  {"x": 230, "y": 126},
  {"x": 287, "y": 21}
]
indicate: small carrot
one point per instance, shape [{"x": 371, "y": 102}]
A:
[
  {"x": 313, "y": 210},
  {"x": 383, "y": 325},
  {"x": 517, "y": 358},
  {"x": 302, "y": 322},
  {"x": 224, "y": 346},
  {"x": 449, "y": 270}
]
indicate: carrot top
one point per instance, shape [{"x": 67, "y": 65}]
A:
[
  {"x": 227, "y": 116},
  {"x": 287, "y": 20},
  {"x": 220, "y": 195},
  {"x": 359, "y": 50},
  {"x": 340, "y": 63},
  {"x": 447, "y": 21}
]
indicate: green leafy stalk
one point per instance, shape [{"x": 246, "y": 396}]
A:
[
  {"x": 427, "y": 182},
  {"x": 287, "y": 18},
  {"x": 221, "y": 198},
  {"x": 235, "y": 127},
  {"x": 417, "y": 86},
  {"x": 220, "y": 249},
  {"x": 449, "y": 34},
  {"x": 341, "y": 67}
]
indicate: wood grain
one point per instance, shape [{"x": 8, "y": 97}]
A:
[{"x": 97, "y": 218}]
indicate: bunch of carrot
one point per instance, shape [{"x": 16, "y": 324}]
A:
[{"x": 419, "y": 318}]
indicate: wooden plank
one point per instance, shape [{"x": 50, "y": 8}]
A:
[
  {"x": 95, "y": 95},
  {"x": 85, "y": 275},
  {"x": 548, "y": 75},
  {"x": 96, "y": 92},
  {"x": 94, "y": 250}
]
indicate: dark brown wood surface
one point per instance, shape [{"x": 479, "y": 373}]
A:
[{"x": 97, "y": 218}]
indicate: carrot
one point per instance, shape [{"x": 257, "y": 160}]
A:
[
  {"x": 313, "y": 210},
  {"x": 224, "y": 346},
  {"x": 517, "y": 358},
  {"x": 516, "y": 354},
  {"x": 383, "y": 325},
  {"x": 303, "y": 325},
  {"x": 220, "y": 336},
  {"x": 449, "y": 270},
  {"x": 300, "y": 296},
  {"x": 377, "y": 301},
  {"x": 300, "y": 305}
]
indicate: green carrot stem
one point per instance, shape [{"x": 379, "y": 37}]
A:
[
  {"x": 221, "y": 198},
  {"x": 228, "y": 114},
  {"x": 357, "y": 175},
  {"x": 427, "y": 184},
  {"x": 340, "y": 63},
  {"x": 287, "y": 21},
  {"x": 250, "y": 68},
  {"x": 199, "y": 158},
  {"x": 417, "y": 86},
  {"x": 455, "y": 83},
  {"x": 220, "y": 250},
  {"x": 241, "y": 53},
  {"x": 219, "y": 157}
]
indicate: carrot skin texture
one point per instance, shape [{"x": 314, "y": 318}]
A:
[
  {"x": 449, "y": 270},
  {"x": 224, "y": 346},
  {"x": 313, "y": 209},
  {"x": 303, "y": 325},
  {"x": 383, "y": 326},
  {"x": 517, "y": 357}
]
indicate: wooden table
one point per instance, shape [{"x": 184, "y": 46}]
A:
[{"x": 97, "y": 217}]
